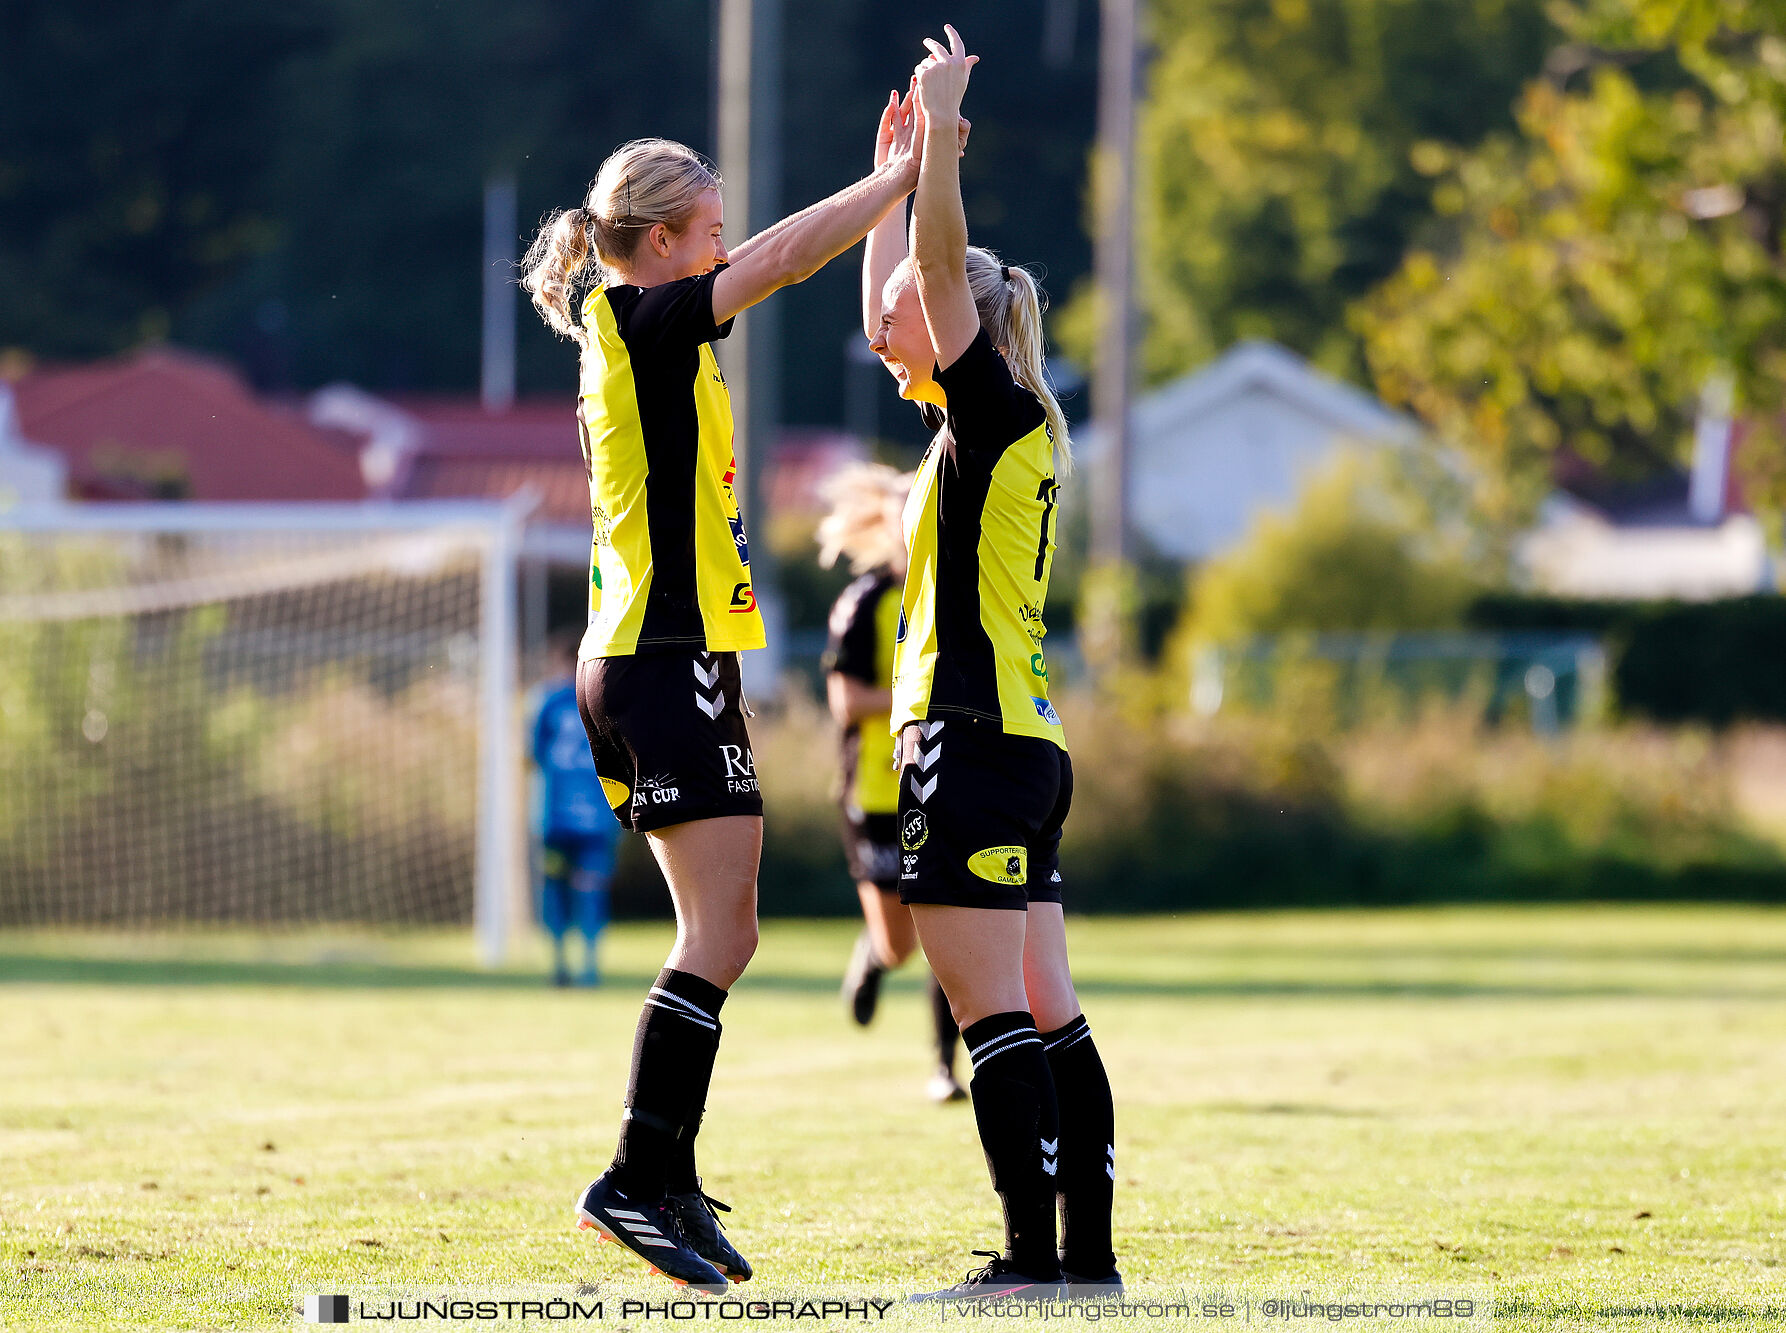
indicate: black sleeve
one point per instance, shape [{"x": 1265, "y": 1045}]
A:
[
  {"x": 850, "y": 648},
  {"x": 987, "y": 408},
  {"x": 672, "y": 316}
]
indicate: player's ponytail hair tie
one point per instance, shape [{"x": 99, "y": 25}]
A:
[{"x": 1004, "y": 272}]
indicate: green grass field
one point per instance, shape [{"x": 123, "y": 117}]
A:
[{"x": 1576, "y": 1110}]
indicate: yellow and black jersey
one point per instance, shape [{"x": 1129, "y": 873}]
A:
[
  {"x": 979, "y": 533},
  {"x": 864, "y": 624},
  {"x": 670, "y": 567}
]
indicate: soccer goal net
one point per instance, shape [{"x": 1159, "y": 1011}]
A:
[{"x": 260, "y": 715}]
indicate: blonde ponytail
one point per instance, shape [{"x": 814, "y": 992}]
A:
[
  {"x": 1010, "y": 303},
  {"x": 867, "y": 500},
  {"x": 554, "y": 261},
  {"x": 641, "y": 184}
]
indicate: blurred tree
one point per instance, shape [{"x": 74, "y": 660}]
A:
[
  {"x": 1352, "y": 555},
  {"x": 132, "y": 160},
  {"x": 1278, "y": 144},
  {"x": 1597, "y": 270}
]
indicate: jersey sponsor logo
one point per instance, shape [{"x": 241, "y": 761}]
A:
[
  {"x": 1001, "y": 865},
  {"x": 914, "y": 831},
  {"x": 741, "y": 768},
  {"x": 739, "y": 540},
  {"x": 604, "y": 527},
  {"x": 1045, "y": 711},
  {"x": 900, "y": 636},
  {"x": 744, "y": 599},
  {"x": 618, "y": 793},
  {"x": 1031, "y": 616},
  {"x": 1037, "y": 666},
  {"x": 657, "y": 791}
]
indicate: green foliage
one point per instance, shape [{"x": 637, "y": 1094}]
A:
[
  {"x": 1601, "y": 267},
  {"x": 1278, "y": 145},
  {"x": 133, "y": 162},
  {"x": 1348, "y": 557}
]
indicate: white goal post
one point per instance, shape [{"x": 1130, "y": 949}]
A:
[{"x": 205, "y": 635}]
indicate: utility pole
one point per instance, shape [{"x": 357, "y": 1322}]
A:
[
  {"x": 1109, "y": 589},
  {"x": 498, "y": 378},
  {"x": 748, "y": 133}
]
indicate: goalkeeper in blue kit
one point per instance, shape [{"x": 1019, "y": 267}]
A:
[{"x": 578, "y": 832}]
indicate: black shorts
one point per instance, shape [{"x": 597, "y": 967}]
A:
[
  {"x": 980, "y": 816},
  {"x": 871, "y": 845},
  {"x": 667, "y": 732}
]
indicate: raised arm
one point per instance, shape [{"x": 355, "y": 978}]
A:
[
  {"x": 886, "y": 243},
  {"x": 939, "y": 227},
  {"x": 799, "y": 246}
]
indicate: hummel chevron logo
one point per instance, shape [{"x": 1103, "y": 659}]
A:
[
  {"x": 1049, "y": 1148},
  {"x": 712, "y": 705},
  {"x": 1110, "y": 1166},
  {"x": 922, "y": 790}
]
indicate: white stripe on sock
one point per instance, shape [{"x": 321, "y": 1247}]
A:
[
  {"x": 1080, "y": 1030},
  {"x": 1008, "y": 1046},
  {"x": 687, "y": 1004},
  {"x": 1004, "y": 1036},
  {"x": 683, "y": 1013}
]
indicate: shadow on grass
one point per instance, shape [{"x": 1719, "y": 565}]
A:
[{"x": 74, "y": 970}]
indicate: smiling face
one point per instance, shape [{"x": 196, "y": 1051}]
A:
[
  {"x": 697, "y": 248},
  {"x": 903, "y": 339}
]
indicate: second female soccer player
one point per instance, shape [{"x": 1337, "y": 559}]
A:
[
  {"x": 864, "y": 527},
  {"x": 670, "y": 606},
  {"x": 985, "y": 781}
]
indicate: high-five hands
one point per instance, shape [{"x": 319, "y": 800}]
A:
[
  {"x": 941, "y": 78},
  {"x": 901, "y": 128}
]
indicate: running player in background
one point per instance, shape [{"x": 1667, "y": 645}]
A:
[
  {"x": 985, "y": 779},
  {"x": 577, "y": 830},
  {"x": 863, "y": 527},
  {"x": 671, "y": 604}
]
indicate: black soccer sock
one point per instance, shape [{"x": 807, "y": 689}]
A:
[
  {"x": 1019, "y": 1129},
  {"x": 683, "y": 1178},
  {"x": 944, "y": 1021},
  {"x": 1087, "y": 1149},
  {"x": 673, "y": 1050}
]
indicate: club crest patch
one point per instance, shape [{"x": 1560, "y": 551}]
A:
[
  {"x": 1001, "y": 865},
  {"x": 914, "y": 831}
]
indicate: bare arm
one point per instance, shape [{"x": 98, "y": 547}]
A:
[
  {"x": 939, "y": 226},
  {"x": 799, "y": 246},
  {"x": 851, "y": 700},
  {"x": 886, "y": 243}
]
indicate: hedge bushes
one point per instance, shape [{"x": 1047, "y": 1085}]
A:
[{"x": 1712, "y": 662}]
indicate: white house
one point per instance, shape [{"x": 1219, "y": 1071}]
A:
[
  {"x": 29, "y": 473},
  {"x": 1214, "y": 448}
]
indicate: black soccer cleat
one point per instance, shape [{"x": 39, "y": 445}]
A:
[
  {"x": 1079, "y": 1285},
  {"x": 650, "y": 1230},
  {"x": 995, "y": 1281},
  {"x": 862, "y": 982},
  {"x": 698, "y": 1213}
]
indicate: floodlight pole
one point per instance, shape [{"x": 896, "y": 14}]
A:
[
  {"x": 1115, "y": 266},
  {"x": 748, "y": 133},
  {"x": 1109, "y": 594}
]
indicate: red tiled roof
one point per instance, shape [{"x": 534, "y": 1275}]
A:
[
  {"x": 163, "y": 416},
  {"x": 563, "y": 486}
]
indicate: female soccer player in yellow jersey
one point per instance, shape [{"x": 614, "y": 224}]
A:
[
  {"x": 985, "y": 782},
  {"x": 864, "y": 526},
  {"x": 670, "y": 605}
]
